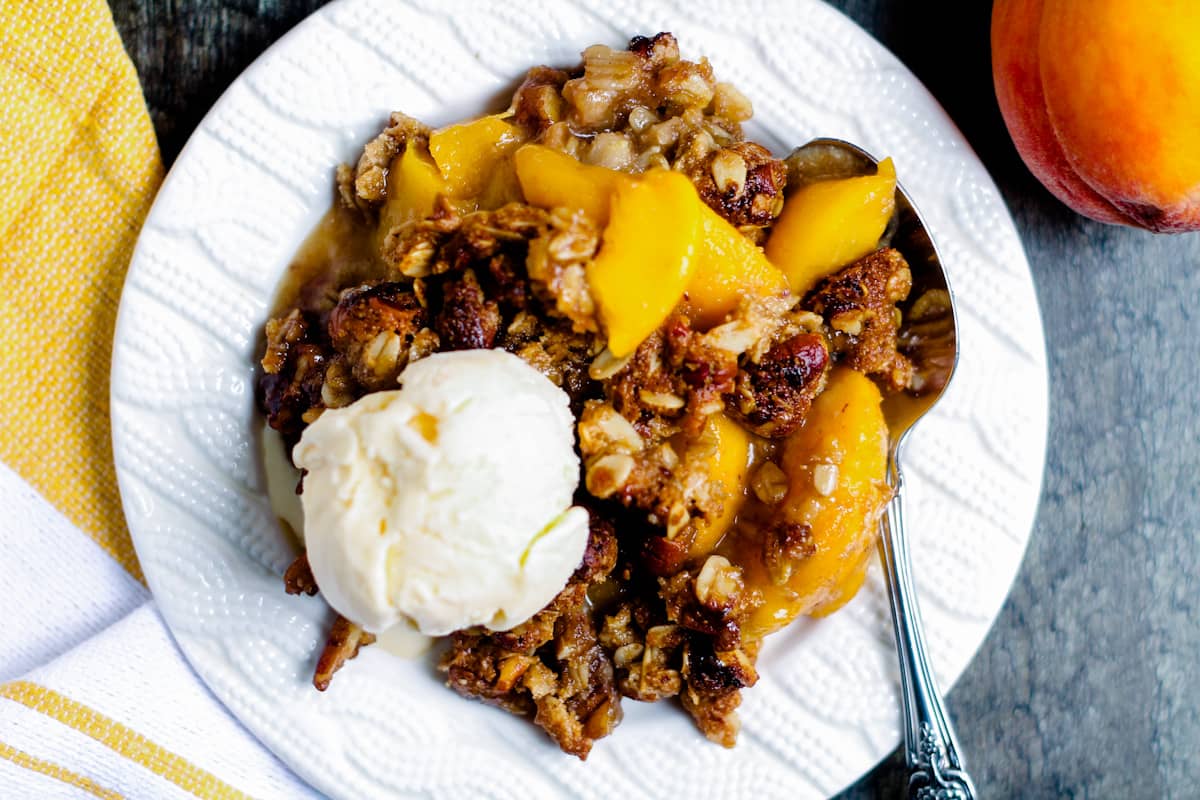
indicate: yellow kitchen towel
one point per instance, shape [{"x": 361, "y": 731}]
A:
[
  {"x": 95, "y": 697},
  {"x": 80, "y": 166},
  {"x": 96, "y": 700}
]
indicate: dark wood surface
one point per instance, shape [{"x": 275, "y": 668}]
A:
[{"x": 1086, "y": 687}]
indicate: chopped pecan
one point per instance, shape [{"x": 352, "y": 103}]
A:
[
  {"x": 345, "y": 640},
  {"x": 601, "y": 554},
  {"x": 538, "y": 101},
  {"x": 375, "y": 326},
  {"x": 283, "y": 333},
  {"x": 508, "y": 283},
  {"x": 659, "y": 50},
  {"x": 743, "y": 183},
  {"x": 662, "y": 556},
  {"x": 364, "y": 311},
  {"x": 773, "y": 395},
  {"x": 298, "y": 579},
  {"x": 716, "y": 671},
  {"x": 467, "y": 320},
  {"x": 786, "y": 544},
  {"x": 294, "y": 365}
]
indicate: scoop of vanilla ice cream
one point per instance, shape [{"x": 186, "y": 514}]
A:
[{"x": 446, "y": 503}]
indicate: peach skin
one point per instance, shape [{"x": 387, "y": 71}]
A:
[{"x": 1102, "y": 99}]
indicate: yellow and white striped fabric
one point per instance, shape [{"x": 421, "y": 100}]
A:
[{"x": 95, "y": 698}]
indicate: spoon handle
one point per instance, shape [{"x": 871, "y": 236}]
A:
[{"x": 935, "y": 767}]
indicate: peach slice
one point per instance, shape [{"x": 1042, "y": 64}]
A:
[
  {"x": 829, "y": 224},
  {"x": 835, "y": 463},
  {"x": 729, "y": 467},
  {"x": 552, "y": 179},
  {"x": 645, "y": 259},
  {"x": 413, "y": 184},
  {"x": 502, "y": 187},
  {"x": 728, "y": 265},
  {"x": 468, "y": 153}
]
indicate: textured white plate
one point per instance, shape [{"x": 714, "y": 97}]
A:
[{"x": 256, "y": 176}]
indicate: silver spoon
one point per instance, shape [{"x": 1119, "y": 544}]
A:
[{"x": 935, "y": 765}]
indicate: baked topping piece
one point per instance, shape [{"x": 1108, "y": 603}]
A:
[
  {"x": 774, "y": 393},
  {"x": 859, "y": 304}
]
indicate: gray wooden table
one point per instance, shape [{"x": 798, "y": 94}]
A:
[{"x": 1086, "y": 687}]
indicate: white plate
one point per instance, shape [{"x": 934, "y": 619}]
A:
[{"x": 256, "y": 176}]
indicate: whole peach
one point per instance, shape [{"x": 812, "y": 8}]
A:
[{"x": 1102, "y": 99}]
